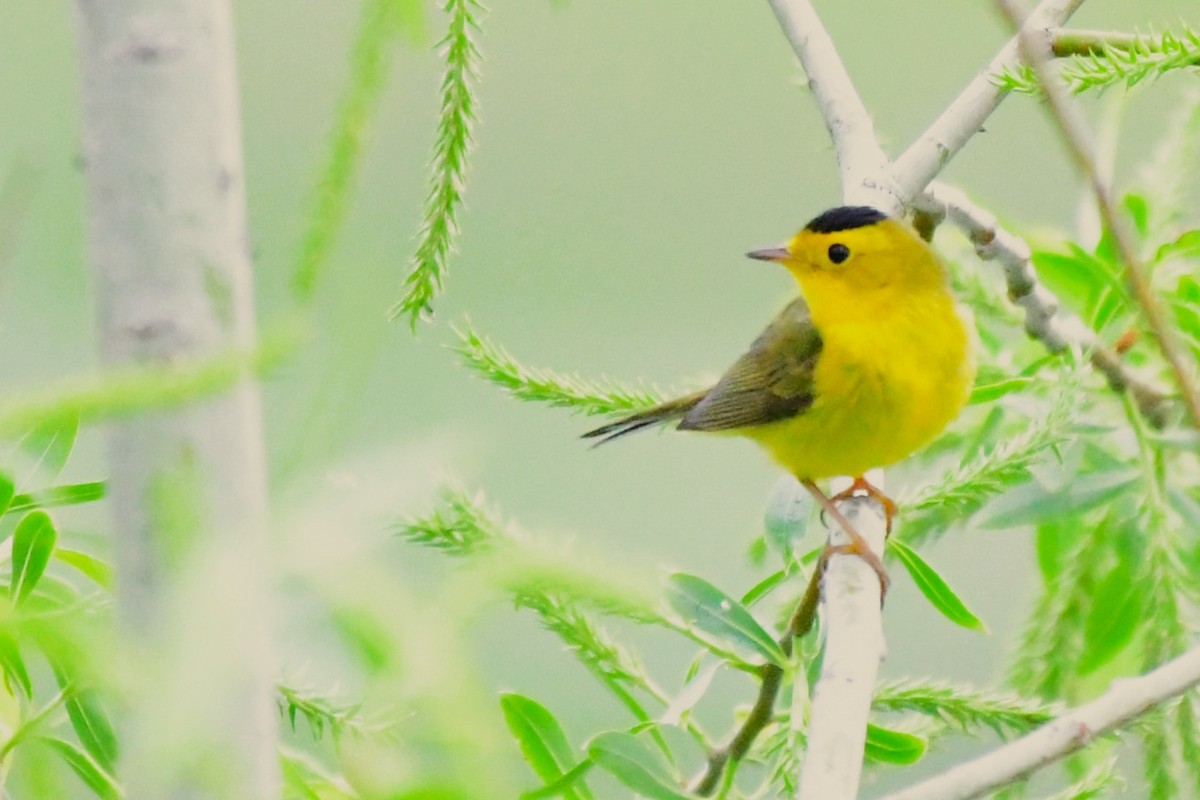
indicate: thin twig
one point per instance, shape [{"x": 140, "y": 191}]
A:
[
  {"x": 926, "y": 157},
  {"x": 854, "y": 649},
  {"x": 763, "y": 710},
  {"x": 1043, "y": 320},
  {"x": 1124, "y": 701},
  {"x": 1066, "y": 42},
  {"x": 1066, "y": 114},
  {"x": 861, "y": 160}
]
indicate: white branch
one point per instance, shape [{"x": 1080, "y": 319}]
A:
[
  {"x": 862, "y": 161},
  {"x": 854, "y": 648},
  {"x": 924, "y": 159},
  {"x": 1036, "y": 52},
  {"x": 855, "y": 642},
  {"x": 1125, "y": 700},
  {"x": 1043, "y": 321},
  {"x": 169, "y": 254}
]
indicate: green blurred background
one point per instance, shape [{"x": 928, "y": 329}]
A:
[{"x": 628, "y": 154}]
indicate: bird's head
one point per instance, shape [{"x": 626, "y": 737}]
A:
[{"x": 858, "y": 247}]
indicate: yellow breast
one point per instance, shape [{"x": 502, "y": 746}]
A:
[{"x": 888, "y": 380}]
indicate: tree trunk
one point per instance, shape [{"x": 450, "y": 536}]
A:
[{"x": 168, "y": 248}]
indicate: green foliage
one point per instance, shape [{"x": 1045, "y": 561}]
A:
[
  {"x": 305, "y": 778},
  {"x": 1098, "y": 63},
  {"x": 1096, "y": 783},
  {"x": 460, "y": 527},
  {"x": 382, "y": 22},
  {"x": 323, "y": 714},
  {"x": 713, "y": 613},
  {"x": 132, "y": 390},
  {"x": 97, "y": 778},
  {"x": 33, "y": 543},
  {"x": 634, "y": 764},
  {"x": 1113, "y": 504},
  {"x": 989, "y": 473},
  {"x": 935, "y": 588},
  {"x": 887, "y": 746},
  {"x": 543, "y": 386},
  {"x": 46, "y": 622},
  {"x": 428, "y": 271},
  {"x": 1042, "y": 454},
  {"x": 963, "y": 708},
  {"x": 543, "y": 743}
]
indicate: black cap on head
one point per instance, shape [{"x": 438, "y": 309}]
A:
[{"x": 844, "y": 218}]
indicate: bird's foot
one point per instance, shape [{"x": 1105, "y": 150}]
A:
[
  {"x": 857, "y": 546},
  {"x": 861, "y": 484}
]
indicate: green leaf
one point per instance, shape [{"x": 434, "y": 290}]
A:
[
  {"x": 894, "y": 747},
  {"x": 764, "y": 587},
  {"x": 1031, "y": 503},
  {"x": 1080, "y": 275},
  {"x": 557, "y": 788},
  {"x": 66, "y": 495},
  {"x": 634, "y": 764},
  {"x": 542, "y": 741},
  {"x": 1068, "y": 276},
  {"x": 709, "y": 609},
  {"x": 1186, "y": 246},
  {"x": 49, "y": 443},
  {"x": 305, "y": 779},
  {"x": 1055, "y": 536},
  {"x": 994, "y": 391},
  {"x": 93, "y": 727},
  {"x": 97, "y": 778},
  {"x": 99, "y": 571},
  {"x": 786, "y": 518},
  {"x": 692, "y": 693},
  {"x": 7, "y": 489},
  {"x": 33, "y": 543},
  {"x": 935, "y": 588},
  {"x": 1113, "y": 618},
  {"x": 444, "y": 197},
  {"x": 15, "y": 672},
  {"x": 1139, "y": 212}
]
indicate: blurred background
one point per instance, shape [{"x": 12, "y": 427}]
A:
[{"x": 627, "y": 155}]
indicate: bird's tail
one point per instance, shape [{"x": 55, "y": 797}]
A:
[{"x": 666, "y": 412}]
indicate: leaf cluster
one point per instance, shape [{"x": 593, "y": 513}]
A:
[
  {"x": 458, "y": 116},
  {"x": 1097, "y": 63},
  {"x": 46, "y": 617},
  {"x": 1113, "y": 504}
]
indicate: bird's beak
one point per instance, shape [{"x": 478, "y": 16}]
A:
[{"x": 770, "y": 254}]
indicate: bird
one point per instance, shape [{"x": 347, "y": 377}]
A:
[{"x": 869, "y": 363}]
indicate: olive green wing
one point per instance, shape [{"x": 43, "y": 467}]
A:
[{"x": 773, "y": 381}]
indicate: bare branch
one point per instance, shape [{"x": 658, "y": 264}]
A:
[
  {"x": 1043, "y": 321},
  {"x": 854, "y": 649},
  {"x": 763, "y": 711},
  {"x": 926, "y": 157},
  {"x": 1124, "y": 701},
  {"x": 1066, "y": 42},
  {"x": 169, "y": 252},
  {"x": 862, "y": 161},
  {"x": 1036, "y": 53}
]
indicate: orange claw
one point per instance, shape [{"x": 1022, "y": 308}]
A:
[
  {"x": 858, "y": 545},
  {"x": 1125, "y": 341},
  {"x": 860, "y": 484}
]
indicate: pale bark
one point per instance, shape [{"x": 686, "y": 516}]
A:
[
  {"x": 1125, "y": 700},
  {"x": 168, "y": 248},
  {"x": 855, "y": 643}
]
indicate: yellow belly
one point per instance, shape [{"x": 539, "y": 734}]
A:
[{"x": 882, "y": 390}]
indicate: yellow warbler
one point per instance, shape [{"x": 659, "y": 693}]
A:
[{"x": 871, "y": 362}]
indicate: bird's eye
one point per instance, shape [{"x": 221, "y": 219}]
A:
[{"x": 838, "y": 253}]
